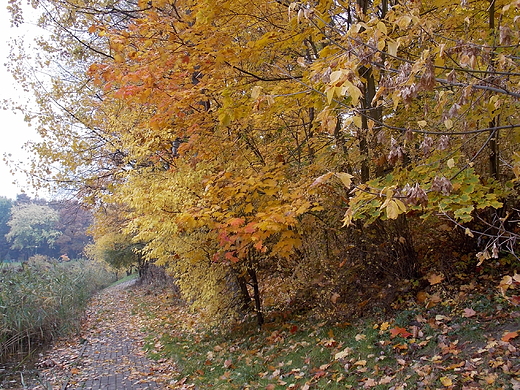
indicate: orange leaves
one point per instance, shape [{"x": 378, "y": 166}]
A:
[
  {"x": 258, "y": 207},
  {"x": 236, "y": 222},
  {"x": 508, "y": 336},
  {"x": 402, "y": 332}
]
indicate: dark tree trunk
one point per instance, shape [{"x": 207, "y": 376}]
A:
[{"x": 256, "y": 296}]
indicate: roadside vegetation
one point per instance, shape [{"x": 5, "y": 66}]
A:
[
  {"x": 465, "y": 339},
  {"x": 44, "y": 298}
]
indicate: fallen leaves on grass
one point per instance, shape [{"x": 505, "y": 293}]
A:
[{"x": 433, "y": 348}]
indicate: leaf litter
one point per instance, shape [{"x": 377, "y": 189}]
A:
[{"x": 467, "y": 342}]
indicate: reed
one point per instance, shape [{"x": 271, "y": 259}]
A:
[{"x": 43, "y": 299}]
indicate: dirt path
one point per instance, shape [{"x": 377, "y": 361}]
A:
[{"x": 108, "y": 355}]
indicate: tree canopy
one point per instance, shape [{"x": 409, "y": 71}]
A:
[
  {"x": 31, "y": 226},
  {"x": 241, "y": 136}
]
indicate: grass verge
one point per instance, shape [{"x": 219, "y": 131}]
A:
[{"x": 467, "y": 342}]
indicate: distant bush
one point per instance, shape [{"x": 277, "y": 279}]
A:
[{"x": 43, "y": 299}]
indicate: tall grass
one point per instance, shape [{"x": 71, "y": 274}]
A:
[{"x": 43, "y": 299}]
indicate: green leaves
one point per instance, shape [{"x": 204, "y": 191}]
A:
[{"x": 32, "y": 225}]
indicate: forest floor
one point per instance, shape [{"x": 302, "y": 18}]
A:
[{"x": 140, "y": 338}]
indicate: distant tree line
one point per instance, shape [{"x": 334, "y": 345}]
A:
[{"x": 29, "y": 227}]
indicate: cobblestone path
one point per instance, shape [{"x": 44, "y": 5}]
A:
[{"x": 109, "y": 354}]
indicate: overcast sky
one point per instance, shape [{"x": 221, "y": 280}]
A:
[{"x": 14, "y": 131}]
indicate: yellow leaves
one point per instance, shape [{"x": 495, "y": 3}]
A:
[
  {"x": 404, "y": 21},
  {"x": 508, "y": 282},
  {"x": 255, "y": 92},
  {"x": 345, "y": 178},
  {"x": 393, "y": 207},
  {"x": 224, "y": 119},
  {"x": 328, "y": 119},
  {"x": 340, "y": 86},
  {"x": 392, "y": 47},
  {"x": 265, "y": 40},
  {"x": 446, "y": 381},
  {"x": 381, "y": 26},
  {"x": 343, "y": 354}
]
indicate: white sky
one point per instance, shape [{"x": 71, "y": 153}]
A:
[{"x": 14, "y": 131}]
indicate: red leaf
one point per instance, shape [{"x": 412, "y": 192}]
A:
[
  {"x": 399, "y": 332},
  {"x": 293, "y": 329},
  {"x": 231, "y": 257},
  {"x": 320, "y": 374}
]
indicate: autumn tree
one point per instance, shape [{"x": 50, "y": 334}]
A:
[
  {"x": 430, "y": 109},
  {"x": 32, "y": 228},
  {"x": 74, "y": 222},
  {"x": 240, "y": 136}
]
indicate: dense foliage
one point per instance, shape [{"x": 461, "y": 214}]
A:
[{"x": 236, "y": 138}]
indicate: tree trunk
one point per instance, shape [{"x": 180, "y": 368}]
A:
[{"x": 256, "y": 296}]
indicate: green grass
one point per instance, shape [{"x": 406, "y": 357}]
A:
[{"x": 127, "y": 278}]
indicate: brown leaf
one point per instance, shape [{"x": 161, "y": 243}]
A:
[
  {"x": 468, "y": 312},
  {"x": 334, "y": 297},
  {"x": 422, "y": 296},
  {"x": 435, "y": 278},
  {"x": 386, "y": 380}
]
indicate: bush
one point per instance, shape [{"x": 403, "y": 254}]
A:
[{"x": 43, "y": 299}]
